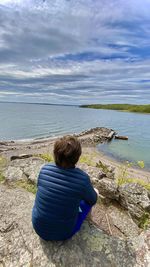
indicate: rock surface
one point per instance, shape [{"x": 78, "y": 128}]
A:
[
  {"x": 108, "y": 188},
  {"x": 114, "y": 221},
  {"x": 124, "y": 223},
  {"x": 24, "y": 169},
  {"x": 135, "y": 198},
  {"x": 21, "y": 247},
  {"x": 95, "y": 135}
]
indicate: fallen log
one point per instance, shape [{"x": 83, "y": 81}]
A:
[
  {"x": 22, "y": 156},
  {"x": 121, "y": 137}
]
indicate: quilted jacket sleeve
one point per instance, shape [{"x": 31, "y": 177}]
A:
[{"x": 90, "y": 196}]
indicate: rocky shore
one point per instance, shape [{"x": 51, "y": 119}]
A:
[
  {"x": 118, "y": 233},
  {"x": 88, "y": 138}
]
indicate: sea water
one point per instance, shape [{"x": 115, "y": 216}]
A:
[{"x": 30, "y": 121}]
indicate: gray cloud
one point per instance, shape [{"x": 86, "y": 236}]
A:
[{"x": 72, "y": 52}]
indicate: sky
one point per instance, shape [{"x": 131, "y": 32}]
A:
[{"x": 75, "y": 51}]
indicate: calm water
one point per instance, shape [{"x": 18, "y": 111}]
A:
[{"x": 27, "y": 121}]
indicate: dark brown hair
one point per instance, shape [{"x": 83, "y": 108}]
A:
[{"x": 67, "y": 151}]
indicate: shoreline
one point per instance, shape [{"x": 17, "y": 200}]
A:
[
  {"x": 135, "y": 108},
  {"x": 134, "y": 171},
  {"x": 89, "y": 140},
  {"x": 121, "y": 161},
  {"x": 26, "y": 140}
]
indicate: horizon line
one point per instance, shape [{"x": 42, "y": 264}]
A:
[{"x": 38, "y": 103}]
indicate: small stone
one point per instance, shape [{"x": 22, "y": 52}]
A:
[
  {"x": 111, "y": 169},
  {"x": 101, "y": 175}
]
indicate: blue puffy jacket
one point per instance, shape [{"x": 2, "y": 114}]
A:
[{"x": 58, "y": 197}]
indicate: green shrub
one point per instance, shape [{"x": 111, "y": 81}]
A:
[
  {"x": 123, "y": 175},
  {"x": 102, "y": 166},
  {"x": 141, "y": 164}
]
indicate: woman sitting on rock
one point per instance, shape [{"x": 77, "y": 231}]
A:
[{"x": 65, "y": 194}]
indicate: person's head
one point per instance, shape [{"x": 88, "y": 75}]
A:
[{"x": 67, "y": 151}]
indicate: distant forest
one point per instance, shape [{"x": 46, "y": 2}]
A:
[{"x": 121, "y": 107}]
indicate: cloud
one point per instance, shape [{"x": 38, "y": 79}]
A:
[{"x": 71, "y": 52}]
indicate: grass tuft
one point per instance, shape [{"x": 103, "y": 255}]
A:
[
  {"x": 102, "y": 166},
  {"x": 125, "y": 180},
  {"x": 86, "y": 159},
  {"x": 3, "y": 163},
  {"x": 27, "y": 185},
  {"x": 144, "y": 221},
  {"x": 47, "y": 157},
  {"x": 2, "y": 177}
]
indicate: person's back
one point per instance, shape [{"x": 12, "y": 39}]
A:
[{"x": 61, "y": 187}]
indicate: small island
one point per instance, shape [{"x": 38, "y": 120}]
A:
[{"x": 121, "y": 107}]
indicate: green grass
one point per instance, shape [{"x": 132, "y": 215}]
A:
[
  {"x": 27, "y": 185},
  {"x": 121, "y": 107},
  {"x": 144, "y": 221},
  {"x": 125, "y": 180},
  {"x": 2, "y": 177},
  {"x": 86, "y": 159},
  {"x": 47, "y": 157},
  {"x": 3, "y": 163},
  {"x": 123, "y": 175},
  {"x": 102, "y": 166}
]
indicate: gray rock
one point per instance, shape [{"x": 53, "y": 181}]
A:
[
  {"x": 24, "y": 169},
  {"x": 135, "y": 198},
  {"x": 101, "y": 175},
  {"x": 21, "y": 247},
  {"x": 108, "y": 188},
  {"x": 124, "y": 222},
  {"x": 13, "y": 173},
  {"x": 32, "y": 170},
  {"x": 95, "y": 135},
  {"x": 141, "y": 245}
]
